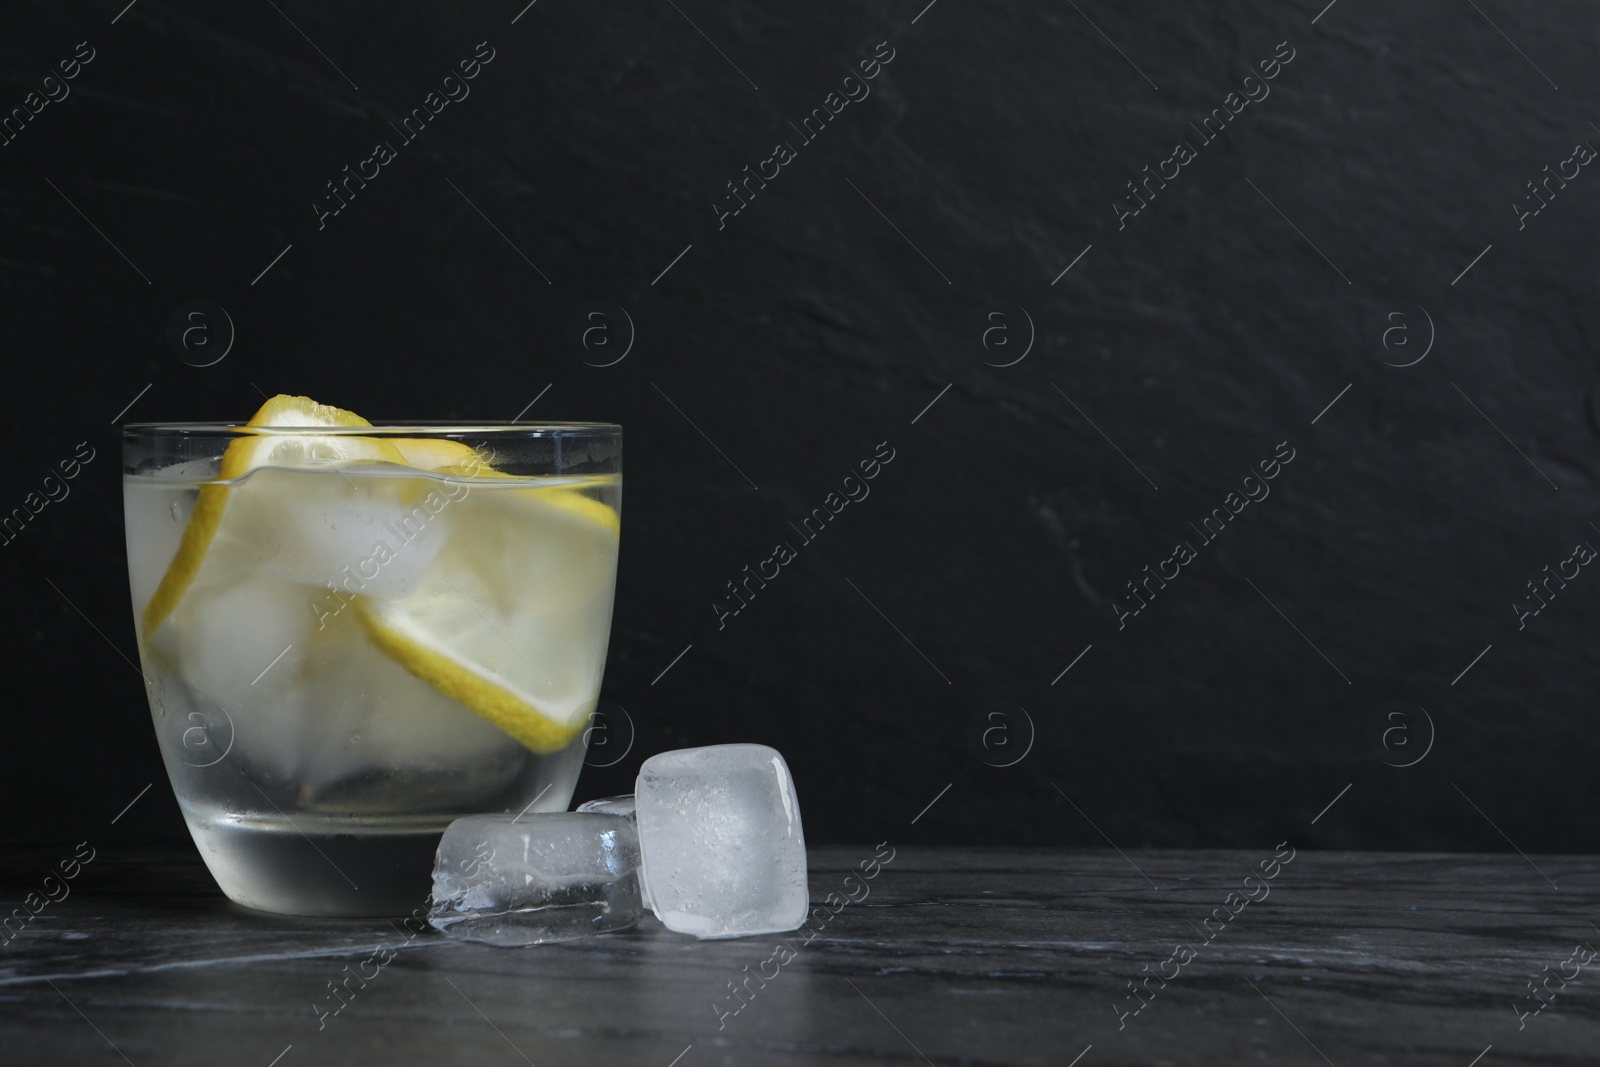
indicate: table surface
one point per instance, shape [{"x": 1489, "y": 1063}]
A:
[{"x": 952, "y": 956}]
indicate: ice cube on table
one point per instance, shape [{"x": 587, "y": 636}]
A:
[
  {"x": 722, "y": 850},
  {"x": 623, "y": 806},
  {"x": 532, "y": 879}
]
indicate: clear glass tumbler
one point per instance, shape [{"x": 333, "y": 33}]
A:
[{"x": 353, "y": 635}]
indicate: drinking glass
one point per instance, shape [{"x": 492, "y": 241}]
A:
[{"x": 352, "y": 635}]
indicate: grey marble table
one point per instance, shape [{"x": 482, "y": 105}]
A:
[{"x": 970, "y": 956}]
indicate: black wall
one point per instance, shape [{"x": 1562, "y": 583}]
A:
[{"x": 1315, "y": 244}]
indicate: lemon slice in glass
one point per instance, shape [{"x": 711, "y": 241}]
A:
[
  {"x": 241, "y": 457},
  {"x": 512, "y": 616}
]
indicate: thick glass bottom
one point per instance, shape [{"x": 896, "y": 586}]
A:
[{"x": 372, "y": 867}]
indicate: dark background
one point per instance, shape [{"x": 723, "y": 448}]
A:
[{"x": 1251, "y": 691}]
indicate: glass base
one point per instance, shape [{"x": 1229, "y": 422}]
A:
[{"x": 308, "y": 867}]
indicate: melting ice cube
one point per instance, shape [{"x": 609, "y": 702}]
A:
[
  {"x": 722, "y": 849},
  {"x": 623, "y": 806},
  {"x": 531, "y": 879}
]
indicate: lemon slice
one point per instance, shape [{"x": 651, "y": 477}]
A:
[
  {"x": 434, "y": 453},
  {"x": 244, "y": 455},
  {"x": 569, "y": 496},
  {"x": 511, "y": 619}
]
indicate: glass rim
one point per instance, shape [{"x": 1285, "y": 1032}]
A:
[{"x": 410, "y": 428}]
